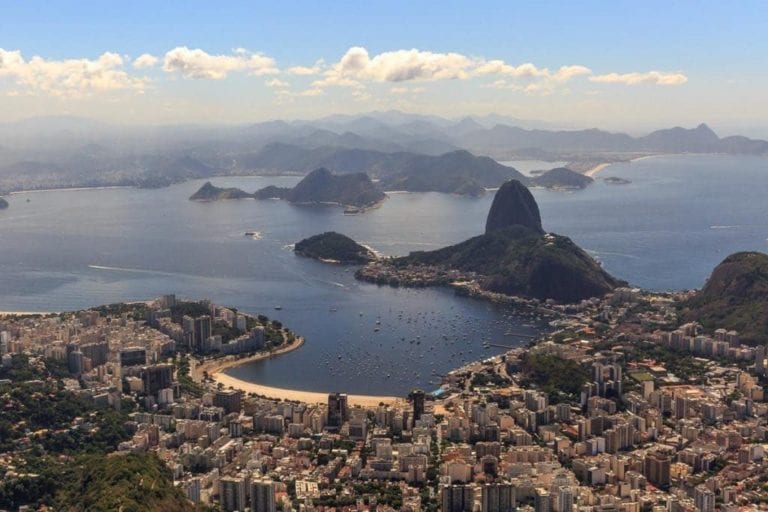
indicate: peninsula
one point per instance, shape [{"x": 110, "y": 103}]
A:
[{"x": 514, "y": 257}]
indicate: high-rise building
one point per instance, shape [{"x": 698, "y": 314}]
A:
[
  {"x": 263, "y": 496},
  {"x": 229, "y": 399},
  {"x": 417, "y": 396},
  {"x": 96, "y": 352},
  {"x": 337, "y": 409},
  {"x": 157, "y": 377},
  {"x": 704, "y": 499},
  {"x": 498, "y": 498},
  {"x": 565, "y": 499},
  {"x": 760, "y": 359},
  {"x": 542, "y": 500},
  {"x": 457, "y": 498},
  {"x": 133, "y": 356},
  {"x": 196, "y": 331},
  {"x": 656, "y": 468},
  {"x": 75, "y": 362},
  {"x": 232, "y": 494}
]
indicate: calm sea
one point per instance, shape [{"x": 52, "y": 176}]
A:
[{"x": 64, "y": 250}]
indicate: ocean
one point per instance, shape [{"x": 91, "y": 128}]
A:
[{"x": 66, "y": 250}]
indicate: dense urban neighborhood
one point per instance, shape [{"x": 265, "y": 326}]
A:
[{"x": 620, "y": 407}]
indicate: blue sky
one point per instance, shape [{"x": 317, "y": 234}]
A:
[{"x": 709, "y": 59}]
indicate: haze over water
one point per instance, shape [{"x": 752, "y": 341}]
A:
[{"x": 66, "y": 250}]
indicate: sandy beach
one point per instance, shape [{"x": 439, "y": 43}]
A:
[
  {"x": 596, "y": 169},
  {"x": 24, "y": 313},
  {"x": 216, "y": 368}
]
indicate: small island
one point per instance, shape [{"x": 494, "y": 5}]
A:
[
  {"x": 321, "y": 186},
  {"x": 561, "y": 178},
  {"x": 614, "y": 180},
  {"x": 3, "y": 204},
  {"x": 210, "y": 192},
  {"x": 332, "y": 247}
]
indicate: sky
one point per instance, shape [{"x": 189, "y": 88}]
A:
[{"x": 616, "y": 65}]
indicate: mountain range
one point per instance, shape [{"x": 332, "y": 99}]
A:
[{"x": 391, "y": 146}]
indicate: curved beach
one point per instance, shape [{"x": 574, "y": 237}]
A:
[{"x": 216, "y": 369}]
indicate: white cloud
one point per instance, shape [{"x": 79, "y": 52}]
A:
[
  {"x": 197, "y": 64},
  {"x": 276, "y": 83},
  {"x": 650, "y": 77},
  {"x": 69, "y": 77},
  {"x": 145, "y": 60},
  {"x": 565, "y": 73},
  {"x": 306, "y": 70},
  {"x": 396, "y": 66}
]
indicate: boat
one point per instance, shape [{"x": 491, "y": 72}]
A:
[
  {"x": 278, "y": 308},
  {"x": 352, "y": 211}
]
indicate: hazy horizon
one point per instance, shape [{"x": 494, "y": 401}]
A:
[{"x": 619, "y": 67}]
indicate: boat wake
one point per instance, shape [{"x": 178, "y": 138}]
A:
[{"x": 130, "y": 270}]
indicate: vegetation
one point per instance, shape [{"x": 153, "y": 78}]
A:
[
  {"x": 209, "y": 192},
  {"x": 192, "y": 309},
  {"x": 561, "y": 177},
  {"x": 131, "y": 483},
  {"x": 334, "y": 246},
  {"x": 44, "y": 428},
  {"x": 734, "y": 298},
  {"x": 553, "y": 375},
  {"x": 519, "y": 261},
  {"x": 321, "y": 186},
  {"x": 485, "y": 378},
  {"x": 136, "y": 310}
]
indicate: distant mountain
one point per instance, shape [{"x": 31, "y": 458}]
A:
[
  {"x": 503, "y": 138},
  {"x": 561, "y": 177},
  {"x": 334, "y": 247},
  {"x": 456, "y": 172},
  {"x": 515, "y": 257},
  {"x": 735, "y": 297},
  {"x": 321, "y": 186},
  {"x": 209, "y": 192},
  {"x": 55, "y": 152}
]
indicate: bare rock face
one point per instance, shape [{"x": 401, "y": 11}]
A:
[{"x": 513, "y": 205}]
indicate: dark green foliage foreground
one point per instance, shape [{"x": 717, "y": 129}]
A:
[
  {"x": 735, "y": 297},
  {"x": 130, "y": 483},
  {"x": 334, "y": 246}
]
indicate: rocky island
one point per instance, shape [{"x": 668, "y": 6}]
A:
[
  {"x": 514, "y": 257},
  {"x": 332, "y": 247},
  {"x": 613, "y": 180},
  {"x": 323, "y": 187},
  {"x": 210, "y": 192},
  {"x": 561, "y": 178},
  {"x": 3, "y": 204}
]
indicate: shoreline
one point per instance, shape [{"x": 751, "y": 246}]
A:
[
  {"x": 596, "y": 169},
  {"x": 216, "y": 371},
  {"x": 27, "y": 313}
]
